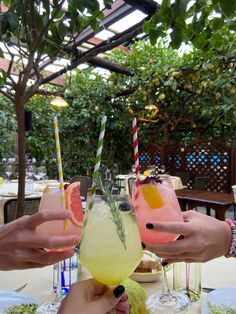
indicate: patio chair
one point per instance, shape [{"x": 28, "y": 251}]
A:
[
  {"x": 108, "y": 184},
  {"x": 119, "y": 185},
  {"x": 85, "y": 183},
  {"x": 131, "y": 184},
  {"x": 184, "y": 176},
  {"x": 10, "y": 208},
  {"x": 200, "y": 183}
]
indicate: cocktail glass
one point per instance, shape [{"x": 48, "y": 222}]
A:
[
  {"x": 8, "y": 171},
  {"x": 155, "y": 200},
  {"x": 110, "y": 247},
  {"x": 40, "y": 172},
  {"x": 162, "y": 169},
  {"x": 52, "y": 199}
]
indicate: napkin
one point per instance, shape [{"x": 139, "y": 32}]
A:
[{"x": 234, "y": 191}]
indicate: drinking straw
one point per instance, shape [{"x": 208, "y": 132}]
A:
[
  {"x": 98, "y": 161},
  {"x": 59, "y": 165},
  {"x": 136, "y": 156}
]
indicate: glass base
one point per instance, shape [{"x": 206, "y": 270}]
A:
[
  {"x": 48, "y": 308},
  {"x": 176, "y": 302}
]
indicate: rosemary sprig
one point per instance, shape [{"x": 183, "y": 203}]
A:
[{"x": 113, "y": 204}]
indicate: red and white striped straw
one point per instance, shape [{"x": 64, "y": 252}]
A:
[{"x": 136, "y": 156}]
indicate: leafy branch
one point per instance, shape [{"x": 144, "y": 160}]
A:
[{"x": 114, "y": 207}]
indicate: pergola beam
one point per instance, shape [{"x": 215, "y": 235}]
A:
[
  {"x": 148, "y": 7},
  {"x": 108, "y": 65},
  {"x": 119, "y": 9}
]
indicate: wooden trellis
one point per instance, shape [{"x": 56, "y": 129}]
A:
[{"x": 210, "y": 159}]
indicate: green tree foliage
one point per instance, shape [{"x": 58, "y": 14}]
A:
[
  {"x": 195, "y": 93},
  {"x": 34, "y": 34},
  {"x": 195, "y": 21},
  {"x": 7, "y": 129},
  {"x": 89, "y": 95}
]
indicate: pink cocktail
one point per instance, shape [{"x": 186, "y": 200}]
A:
[
  {"x": 156, "y": 201},
  {"x": 52, "y": 199}
]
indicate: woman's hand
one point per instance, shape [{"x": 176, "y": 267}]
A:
[
  {"x": 205, "y": 238},
  {"x": 92, "y": 297},
  {"x": 21, "y": 247}
]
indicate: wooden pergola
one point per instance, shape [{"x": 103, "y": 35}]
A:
[{"x": 120, "y": 9}]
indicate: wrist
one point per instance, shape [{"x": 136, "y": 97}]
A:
[{"x": 232, "y": 246}]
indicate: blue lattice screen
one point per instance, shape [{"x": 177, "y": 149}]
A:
[{"x": 203, "y": 159}]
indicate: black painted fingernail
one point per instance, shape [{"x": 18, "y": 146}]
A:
[
  {"x": 143, "y": 245},
  {"x": 149, "y": 226},
  {"x": 118, "y": 291},
  {"x": 164, "y": 264}
]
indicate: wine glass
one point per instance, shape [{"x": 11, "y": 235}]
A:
[
  {"x": 30, "y": 171},
  {"x": 162, "y": 169},
  {"x": 8, "y": 171},
  {"x": 133, "y": 168},
  {"x": 42, "y": 171},
  {"x": 152, "y": 170},
  {"x": 39, "y": 172},
  {"x": 110, "y": 247},
  {"x": 155, "y": 200},
  {"x": 52, "y": 199}
]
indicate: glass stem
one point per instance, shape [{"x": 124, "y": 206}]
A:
[
  {"x": 165, "y": 285},
  {"x": 58, "y": 283},
  {"x": 187, "y": 265}
]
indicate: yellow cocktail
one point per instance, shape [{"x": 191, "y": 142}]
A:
[{"x": 110, "y": 249}]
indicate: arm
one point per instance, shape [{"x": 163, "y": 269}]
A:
[
  {"x": 91, "y": 297},
  {"x": 21, "y": 247},
  {"x": 205, "y": 238}
]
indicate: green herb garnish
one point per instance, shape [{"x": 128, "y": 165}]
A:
[
  {"x": 114, "y": 206},
  {"x": 22, "y": 309},
  {"x": 220, "y": 309}
]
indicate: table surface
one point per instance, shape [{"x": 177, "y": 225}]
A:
[
  {"x": 176, "y": 181},
  {"x": 9, "y": 190},
  {"x": 205, "y": 196},
  {"x": 215, "y": 274}
]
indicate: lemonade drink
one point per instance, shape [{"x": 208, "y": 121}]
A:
[
  {"x": 156, "y": 201},
  {"x": 101, "y": 250}
]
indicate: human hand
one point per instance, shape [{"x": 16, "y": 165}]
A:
[
  {"x": 205, "y": 238},
  {"x": 91, "y": 297},
  {"x": 21, "y": 247}
]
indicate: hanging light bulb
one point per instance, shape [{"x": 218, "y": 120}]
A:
[
  {"x": 149, "y": 113},
  {"x": 59, "y": 102}
]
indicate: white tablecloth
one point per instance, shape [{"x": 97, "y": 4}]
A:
[
  {"x": 215, "y": 274},
  {"x": 175, "y": 181},
  {"x": 9, "y": 190}
]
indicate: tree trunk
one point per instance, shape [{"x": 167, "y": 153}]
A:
[{"x": 20, "y": 112}]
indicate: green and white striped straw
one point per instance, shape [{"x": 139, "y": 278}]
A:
[{"x": 98, "y": 161}]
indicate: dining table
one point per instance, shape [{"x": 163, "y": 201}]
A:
[
  {"x": 9, "y": 191},
  {"x": 34, "y": 189},
  {"x": 124, "y": 187},
  {"x": 216, "y": 273},
  {"x": 220, "y": 202}
]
